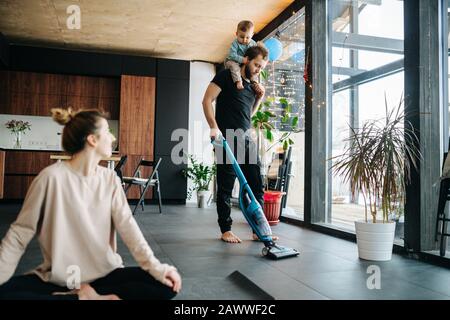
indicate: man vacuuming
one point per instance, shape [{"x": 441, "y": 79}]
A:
[{"x": 234, "y": 109}]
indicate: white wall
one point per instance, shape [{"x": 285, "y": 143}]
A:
[
  {"x": 201, "y": 73},
  {"x": 43, "y": 134}
]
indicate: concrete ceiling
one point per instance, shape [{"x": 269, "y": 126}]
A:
[{"x": 174, "y": 29}]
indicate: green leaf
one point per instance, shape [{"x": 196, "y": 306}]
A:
[
  {"x": 269, "y": 114},
  {"x": 259, "y": 115},
  {"x": 284, "y": 102},
  {"x": 270, "y": 100},
  {"x": 285, "y": 145},
  {"x": 295, "y": 121},
  {"x": 264, "y": 74},
  {"x": 268, "y": 126},
  {"x": 268, "y": 135}
]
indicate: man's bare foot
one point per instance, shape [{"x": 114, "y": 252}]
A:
[
  {"x": 255, "y": 237},
  {"x": 86, "y": 292},
  {"x": 230, "y": 237},
  {"x": 239, "y": 85}
]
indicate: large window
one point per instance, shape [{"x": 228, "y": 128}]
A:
[
  {"x": 366, "y": 41},
  {"x": 285, "y": 81},
  {"x": 446, "y": 98}
]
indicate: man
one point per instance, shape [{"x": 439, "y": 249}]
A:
[{"x": 234, "y": 109}]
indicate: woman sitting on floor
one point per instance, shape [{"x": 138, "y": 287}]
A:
[{"x": 75, "y": 208}]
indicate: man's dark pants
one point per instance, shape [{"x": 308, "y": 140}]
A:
[{"x": 250, "y": 166}]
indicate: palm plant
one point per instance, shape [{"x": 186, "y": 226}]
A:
[{"x": 377, "y": 161}]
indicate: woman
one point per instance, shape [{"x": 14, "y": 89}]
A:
[{"x": 75, "y": 207}]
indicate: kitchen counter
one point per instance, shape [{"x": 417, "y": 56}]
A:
[
  {"x": 110, "y": 160},
  {"x": 39, "y": 150}
]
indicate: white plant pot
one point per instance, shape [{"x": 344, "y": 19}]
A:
[
  {"x": 375, "y": 240},
  {"x": 202, "y": 198}
]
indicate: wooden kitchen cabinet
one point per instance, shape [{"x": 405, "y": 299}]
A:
[
  {"x": 137, "y": 125},
  {"x": 34, "y": 94},
  {"x": 20, "y": 168},
  {"x": 16, "y": 187},
  {"x": 137, "y": 115}
]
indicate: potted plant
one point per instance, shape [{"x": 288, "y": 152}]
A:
[
  {"x": 201, "y": 176},
  {"x": 17, "y": 128},
  {"x": 376, "y": 164}
]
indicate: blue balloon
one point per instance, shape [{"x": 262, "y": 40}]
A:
[{"x": 275, "y": 48}]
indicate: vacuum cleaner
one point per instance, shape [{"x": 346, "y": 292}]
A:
[{"x": 252, "y": 210}]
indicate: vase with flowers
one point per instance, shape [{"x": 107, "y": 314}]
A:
[{"x": 17, "y": 128}]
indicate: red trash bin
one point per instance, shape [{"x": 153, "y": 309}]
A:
[{"x": 272, "y": 206}]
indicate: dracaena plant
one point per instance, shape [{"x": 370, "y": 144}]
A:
[{"x": 377, "y": 161}]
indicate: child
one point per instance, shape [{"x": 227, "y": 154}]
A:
[{"x": 243, "y": 41}]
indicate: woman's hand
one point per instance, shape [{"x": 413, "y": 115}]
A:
[{"x": 173, "y": 280}]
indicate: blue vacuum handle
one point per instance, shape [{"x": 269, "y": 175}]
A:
[{"x": 222, "y": 142}]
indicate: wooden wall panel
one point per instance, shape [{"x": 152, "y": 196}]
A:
[
  {"x": 22, "y": 103},
  {"x": 110, "y": 105},
  {"x": 137, "y": 115},
  {"x": 28, "y": 93},
  {"x": 46, "y": 102},
  {"x": 54, "y": 84},
  {"x": 109, "y": 88},
  {"x": 83, "y": 86},
  {"x": 81, "y": 102}
]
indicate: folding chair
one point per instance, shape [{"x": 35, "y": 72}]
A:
[
  {"x": 118, "y": 168},
  {"x": 144, "y": 183},
  {"x": 279, "y": 174}
]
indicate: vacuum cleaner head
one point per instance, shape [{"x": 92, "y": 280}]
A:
[{"x": 278, "y": 252}]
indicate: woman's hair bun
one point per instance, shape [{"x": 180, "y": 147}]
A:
[{"x": 62, "y": 116}]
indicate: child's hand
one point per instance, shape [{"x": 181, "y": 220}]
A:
[{"x": 245, "y": 60}]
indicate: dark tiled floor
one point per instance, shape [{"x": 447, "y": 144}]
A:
[{"x": 327, "y": 268}]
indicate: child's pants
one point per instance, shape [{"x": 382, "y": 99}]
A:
[{"x": 235, "y": 70}]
